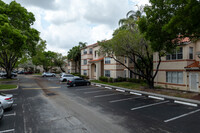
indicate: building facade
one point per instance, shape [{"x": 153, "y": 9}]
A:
[
  {"x": 180, "y": 70},
  {"x": 71, "y": 67},
  {"x": 95, "y": 65}
]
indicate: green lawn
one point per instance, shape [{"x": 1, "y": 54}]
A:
[
  {"x": 129, "y": 85},
  {"x": 2, "y": 87}
]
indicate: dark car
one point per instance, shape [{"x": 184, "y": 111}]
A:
[{"x": 78, "y": 82}]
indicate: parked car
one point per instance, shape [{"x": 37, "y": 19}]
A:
[
  {"x": 28, "y": 72},
  {"x": 78, "y": 82},
  {"x": 61, "y": 74},
  {"x": 1, "y": 111},
  {"x": 48, "y": 74},
  {"x": 4, "y": 74},
  {"x": 66, "y": 77},
  {"x": 6, "y": 100},
  {"x": 20, "y": 72}
]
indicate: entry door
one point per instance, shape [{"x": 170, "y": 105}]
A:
[{"x": 194, "y": 81}]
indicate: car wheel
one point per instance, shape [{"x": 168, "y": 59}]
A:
[
  {"x": 64, "y": 80},
  {"x": 88, "y": 84},
  {"x": 74, "y": 85}
]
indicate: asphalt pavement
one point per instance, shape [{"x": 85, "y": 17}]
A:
[{"x": 45, "y": 105}]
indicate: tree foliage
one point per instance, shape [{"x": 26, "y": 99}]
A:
[
  {"x": 17, "y": 37},
  {"x": 74, "y": 54},
  {"x": 168, "y": 21}
]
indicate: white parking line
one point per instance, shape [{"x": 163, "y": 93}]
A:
[
  {"x": 88, "y": 92},
  {"x": 149, "y": 105},
  {"x": 108, "y": 88},
  {"x": 158, "y": 98},
  {"x": 120, "y": 90},
  {"x": 5, "y": 131},
  {"x": 10, "y": 114},
  {"x": 14, "y": 104},
  {"x": 98, "y": 85},
  {"x": 185, "y": 103},
  {"x": 134, "y": 93},
  {"x": 106, "y": 95},
  {"x": 180, "y": 116},
  {"x": 125, "y": 99},
  {"x": 83, "y": 89}
]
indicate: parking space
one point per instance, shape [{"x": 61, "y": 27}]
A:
[
  {"x": 165, "y": 111},
  {"x": 9, "y": 122}
]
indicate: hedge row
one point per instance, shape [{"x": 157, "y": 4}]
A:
[{"x": 120, "y": 79}]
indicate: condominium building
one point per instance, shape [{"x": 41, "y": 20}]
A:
[
  {"x": 95, "y": 65},
  {"x": 181, "y": 69}
]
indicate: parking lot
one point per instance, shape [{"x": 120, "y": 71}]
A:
[
  {"x": 136, "y": 111},
  {"x": 180, "y": 117}
]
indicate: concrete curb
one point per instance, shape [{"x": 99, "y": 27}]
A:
[
  {"x": 11, "y": 89},
  {"x": 171, "y": 98}
]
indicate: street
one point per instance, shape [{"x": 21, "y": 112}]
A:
[{"x": 44, "y": 105}]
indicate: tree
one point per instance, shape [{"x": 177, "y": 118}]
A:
[
  {"x": 133, "y": 46},
  {"x": 46, "y": 59},
  {"x": 59, "y": 61},
  {"x": 17, "y": 38},
  {"x": 168, "y": 21},
  {"x": 74, "y": 54}
]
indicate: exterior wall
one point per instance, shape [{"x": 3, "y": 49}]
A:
[
  {"x": 98, "y": 61},
  {"x": 177, "y": 66}
]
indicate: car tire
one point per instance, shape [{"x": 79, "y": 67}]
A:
[
  {"x": 74, "y": 85},
  {"x": 64, "y": 80},
  {"x": 88, "y": 84}
]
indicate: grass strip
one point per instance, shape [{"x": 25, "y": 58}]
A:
[{"x": 2, "y": 87}]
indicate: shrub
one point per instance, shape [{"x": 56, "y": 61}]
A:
[
  {"x": 111, "y": 80},
  {"x": 104, "y": 79}
]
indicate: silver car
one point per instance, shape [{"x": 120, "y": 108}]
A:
[
  {"x": 6, "y": 100},
  {"x": 1, "y": 111}
]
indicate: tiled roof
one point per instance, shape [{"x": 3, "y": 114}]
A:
[
  {"x": 96, "y": 60},
  {"x": 195, "y": 64}
]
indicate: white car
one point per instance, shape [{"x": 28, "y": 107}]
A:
[
  {"x": 6, "y": 100},
  {"x": 1, "y": 111},
  {"x": 48, "y": 74},
  {"x": 66, "y": 77}
]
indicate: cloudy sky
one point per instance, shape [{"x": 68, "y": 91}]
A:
[{"x": 65, "y": 23}]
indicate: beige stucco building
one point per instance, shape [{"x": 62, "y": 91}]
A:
[
  {"x": 180, "y": 70},
  {"x": 95, "y": 65},
  {"x": 71, "y": 67}
]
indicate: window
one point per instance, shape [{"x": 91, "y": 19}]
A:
[
  {"x": 107, "y": 60},
  {"x": 124, "y": 73},
  {"x": 85, "y": 62},
  {"x": 107, "y": 73},
  {"x": 177, "y": 54},
  {"x": 125, "y": 60},
  {"x": 85, "y": 72},
  {"x": 68, "y": 63},
  {"x": 174, "y": 77},
  {"x": 95, "y": 68},
  {"x": 191, "y": 53},
  {"x": 90, "y": 50},
  {"x": 95, "y": 54},
  {"x": 85, "y": 51},
  {"x": 68, "y": 71}
]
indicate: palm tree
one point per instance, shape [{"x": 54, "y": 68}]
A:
[{"x": 74, "y": 54}]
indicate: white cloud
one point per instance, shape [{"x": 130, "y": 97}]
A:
[{"x": 65, "y": 23}]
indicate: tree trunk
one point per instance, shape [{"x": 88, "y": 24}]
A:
[
  {"x": 75, "y": 66},
  {"x": 150, "y": 83}
]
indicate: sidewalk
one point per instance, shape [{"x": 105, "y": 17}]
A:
[{"x": 137, "y": 92}]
